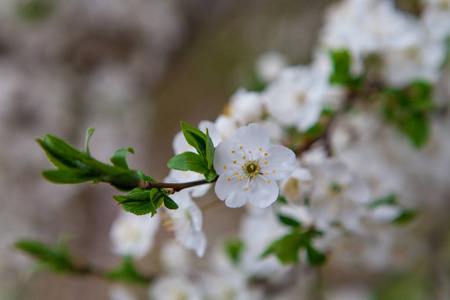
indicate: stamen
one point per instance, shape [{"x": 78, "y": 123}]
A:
[
  {"x": 256, "y": 171},
  {"x": 240, "y": 147},
  {"x": 237, "y": 173},
  {"x": 246, "y": 177},
  {"x": 268, "y": 181},
  {"x": 228, "y": 178},
  {"x": 260, "y": 149},
  {"x": 265, "y": 162},
  {"x": 224, "y": 167},
  {"x": 233, "y": 151},
  {"x": 243, "y": 157},
  {"x": 234, "y": 161},
  {"x": 246, "y": 188},
  {"x": 249, "y": 151},
  {"x": 273, "y": 171},
  {"x": 239, "y": 178},
  {"x": 266, "y": 173},
  {"x": 265, "y": 153}
]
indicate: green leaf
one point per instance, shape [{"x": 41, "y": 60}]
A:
[
  {"x": 35, "y": 10},
  {"x": 286, "y": 249},
  {"x": 341, "y": 67},
  {"x": 416, "y": 127},
  {"x": 210, "y": 176},
  {"x": 195, "y": 137},
  {"x": 189, "y": 161},
  {"x": 141, "y": 202},
  {"x": 126, "y": 272},
  {"x": 89, "y": 133},
  {"x": 118, "y": 159},
  {"x": 233, "y": 248},
  {"x": 407, "y": 216},
  {"x": 145, "y": 177},
  {"x": 169, "y": 203},
  {"x": 55, "y": 258},
  {"x": 289, "y": 221},
  {"x": 315, "y": 258},
  {"x": 391, "y": 199},
  {"x": 69, "y": 176},
  {"x": 209, "y": 150}
]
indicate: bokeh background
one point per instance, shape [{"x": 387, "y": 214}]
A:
[{"x": 133, "y": 70}]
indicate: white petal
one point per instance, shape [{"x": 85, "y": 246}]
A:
[
  {"x": 180, "y": 145},
  {"x": 236, "y": 199},
  {"x": 223, "y": 159},
  {"x": 358, "y": 191},
  {"x": 251, "y": 138},
  {"x": 386, "y": 213},
  {"x": 225, "y": 187},
  {"x": 196, "y": 216},
  {"x": 263, "y": 193},
  {"x": 212, "y": 129},
  {"x": 280, "y": 159}
]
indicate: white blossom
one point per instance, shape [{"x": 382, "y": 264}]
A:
[
  {"x": 186, "y": 223},
  {"x": 226, "y": 126},
  {"x": 296, "y": 97},
  {"x": 298, "y": 186},
  {"x": 385, "y": 213},
  {"x": 248, "y": 168},
  {"x": 245, "y": 107},
  {"x": 269, "y": 65},
  {"x": 133, "y": 235},
  {"x": 436, "y": 17},
  {"x": 174, "y": 288}
]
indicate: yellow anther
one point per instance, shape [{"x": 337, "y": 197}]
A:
[
  {"x": 265, "y": 153},
  {"x": 265, "y": 162},
  {"x": 233, "y": 151},
  {"x": 260, "y": 149},
  {"x": 236, "y": 173},
  {"x": 239, "y": 179},
  {"x": 266, "y": 173},
  {"x": 224, "y": 167},
  {"x": 228, "y": 178},
  {"x": 273, "y": 171},
  {"x": 246, "y": 188},
  {"x": 240, "y": 147},
  {"x": 234, "y": 161},
  {"x": 249, "y": 151},
  {"x": 256, "y": 171},
  {"x": 246, "y": 177},
  {"x": 268, "y": 181},
  {"x": 243, "y": 157}
]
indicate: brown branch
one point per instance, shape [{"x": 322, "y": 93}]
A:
[{"x": 174, "y": 187}]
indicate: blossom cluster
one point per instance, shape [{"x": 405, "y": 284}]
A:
[{"x": 339, "y": 185}]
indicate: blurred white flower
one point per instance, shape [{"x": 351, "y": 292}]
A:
[
  {"x": 248, "y": 168},
  {"x": 133, "y": 235},
  {"x": 298, "y": 186},
  {"x": 186, "y": 223},
  {"x": 269, "y": 65},
  {"x": 339, "y": 197},
  {"x": 175, "y": 258},
  {"x": 226, "y": 126},
  {"x": 245, "y": 107},
  {"x": 180, "y": 145},
  {"x": 385, "y": 213},
  {"x": 174, "y": 288},
  {"x": 295, "y": 98},
  {"x": 118, "y": 292},
  {"x": 436, "y": 17}
]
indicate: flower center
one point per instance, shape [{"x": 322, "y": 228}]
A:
[{"x": 251, "y": 168}]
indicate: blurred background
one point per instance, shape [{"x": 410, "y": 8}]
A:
[{"x": 133, "y": 70}]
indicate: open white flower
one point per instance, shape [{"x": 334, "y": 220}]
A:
[
  {"x": 186, "y": 223},
  {"x": 248, "y": 168}
]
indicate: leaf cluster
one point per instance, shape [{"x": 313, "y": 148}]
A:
[
  {"x": 74, "y": 166},
  {"x": 408, "y": 108},
  {"x": 407, "y": 215},
  {"x": 341, "y": 74},
  {"x": 288, "y": 247},
  {"x": 145, "y": 201},
  {"x": 200, "y": 162}
]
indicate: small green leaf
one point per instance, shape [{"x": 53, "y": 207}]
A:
[
  {"x": 286, "y": 249},
  {"x": 126, "y": 272},
  {"x": 195, "y": 137},
  {"x": 69, "y": 176},
  {"x": 189, "y": 161},
  {"x": 210, "y": 176},
  {"x": 289, "y": 221},
  {"x": 145, "y": 177},
  {"x": 209, "y": 150},
  {"x": 391, "y": 199},
  {"x": 407, "y": 216},
  {"x": 233, "y": 248},
  {"x": 89, "y": 133},
  {"x": 55, "y": 258},
  {"x": 417, "y": 129},
  {"x": 341, "y": 67},
  {"x": 169, "y": 203},
  {"x": 118, "y": 159},
  {"x": 315, "y": 258}
]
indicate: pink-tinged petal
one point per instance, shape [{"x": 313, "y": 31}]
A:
[
  {"x": 223, "y": 159},
  {"x": 251, "y": 138},
  {"x": 236, "y": 199},
  {"x": 279, "y": 159},
  {"x": 263, "y": 192},
  {"x": 225, "y": 187}
]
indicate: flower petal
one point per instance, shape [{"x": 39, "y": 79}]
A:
[
  {"x": 263, "y": 193},
  {"x": 225, "y": 187},
  {"x": 280, "y": 159},
  {"x": 236, "y": 199},
  {"x": 223, "y": 159},
  {"x": 251, "y": 138}
]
